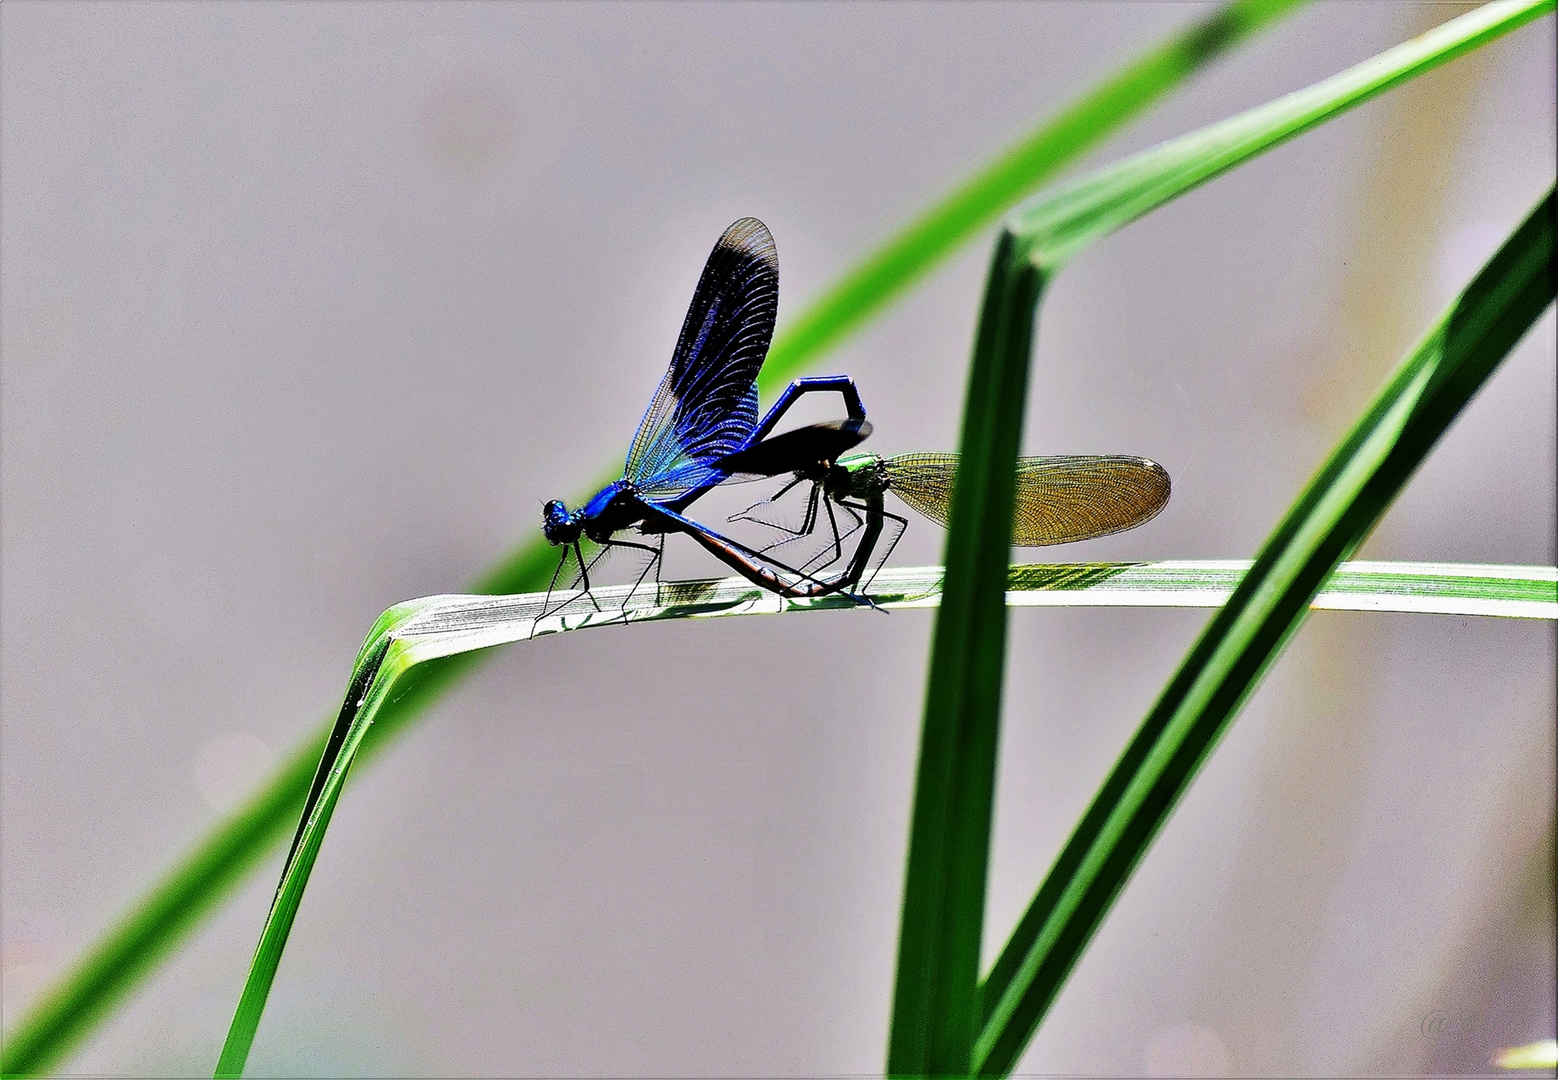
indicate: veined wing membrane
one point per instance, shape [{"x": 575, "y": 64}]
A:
[
  {"x": 1058, "y": 499},
  {"x": 706, "y": 405}
]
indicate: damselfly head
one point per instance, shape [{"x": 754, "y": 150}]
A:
[{"x": 558, "y": 524}]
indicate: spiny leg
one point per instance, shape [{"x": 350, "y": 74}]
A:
[
  {"x": 822, "y": 560},
  {"x": 584, "y": 571},
  {"x": 659, "y": 565},
  {"x": 807, "y": 571},
  {"x": 903, "y": 525},
  {"x": 806, "y": 525},
  {"x": 838, "y": 537},
  {"x": 656, "y": 555},
  {"x": 804, "y": 574},
  {"x": 727, "y": 549},
  {"x": 745, "y": 515},
  {"x": 808, "y": 522},
  {"x": 746, "y": 560},
  {"x": 872, "y": 523},
  {"x": 546, "y": 601}
]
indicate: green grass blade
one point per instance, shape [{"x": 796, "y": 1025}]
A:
[
  {"x": 447, "y": 627},
  {"x": 1066, "y": 219},
  {"x": 1331, "y": 517},
  {"x": 444, "y": 628},
  {"x": 979, "y": 201},
  {"x": 377, "y": 668},
  {"x": 415, "y": 637},
  {"x": 90, "y": 991},
  {"x": 936, "y": 1012},
  {"x": 437, "y": 629},
  {"x": 1515, "y": 592}
]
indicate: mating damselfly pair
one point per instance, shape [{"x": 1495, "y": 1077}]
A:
[{"x": 701, "y": 430}]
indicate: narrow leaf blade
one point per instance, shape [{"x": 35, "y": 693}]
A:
[{"x": 1331, "y": 517}]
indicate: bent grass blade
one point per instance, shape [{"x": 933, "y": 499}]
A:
[
  {"x": 90, "y": 991},
  {"x": 440, "y": 627}
]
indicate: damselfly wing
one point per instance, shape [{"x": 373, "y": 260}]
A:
[{"x": 1058, "y": 500}]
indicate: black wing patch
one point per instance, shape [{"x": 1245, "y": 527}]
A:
[{"x": 706, "y": 405}]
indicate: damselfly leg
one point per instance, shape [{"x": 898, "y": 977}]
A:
[
  {"x": 656, "y": 563},
  {"x": 901, "y": 522},
  {"x": 583, "y": 576}
]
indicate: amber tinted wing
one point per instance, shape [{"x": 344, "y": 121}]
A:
[
  {"x": 924, "y": 481},
  {"x": 1058, "y": 499}
]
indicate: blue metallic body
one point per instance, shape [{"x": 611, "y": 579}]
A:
[{"x": 701, "y": 427}]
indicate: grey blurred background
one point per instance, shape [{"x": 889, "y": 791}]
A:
[{"x": 307, "y": 307}]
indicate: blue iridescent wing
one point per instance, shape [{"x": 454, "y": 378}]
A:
[{"x": 706, "y": 406}]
